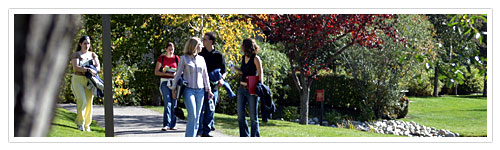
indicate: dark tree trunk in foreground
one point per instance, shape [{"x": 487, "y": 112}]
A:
[{"x": 42, "y": 44}]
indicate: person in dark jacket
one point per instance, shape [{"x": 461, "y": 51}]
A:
[
  {"x": 215, "y": 76},
  {"x": 214, "y": 60},
  {"x": 266, "y": 101},
  {"x": 95, "y": 84}
]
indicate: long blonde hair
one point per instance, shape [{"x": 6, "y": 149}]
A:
[{"x": 190, "y": 47}]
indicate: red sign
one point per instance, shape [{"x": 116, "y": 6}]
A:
[{"x": 320, "y": 94}]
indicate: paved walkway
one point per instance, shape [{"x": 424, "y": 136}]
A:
[{"x": 135, "y": 121}]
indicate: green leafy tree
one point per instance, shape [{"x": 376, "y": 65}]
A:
[{"x": 459, "y": 47}]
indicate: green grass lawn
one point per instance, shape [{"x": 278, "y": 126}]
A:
[
  {"x": 228, "y": 124},
  {"x": 64, "y": 125},
  {"x": 463, "y": 114}
]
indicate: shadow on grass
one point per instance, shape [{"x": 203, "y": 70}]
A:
[
  {"x": 65, "y": 115},
  {"x": 66, "y": 126},
  {"x": 232, "y": 123},
  {"x": 479, "y": 97},
  {"x": 226, "y": 122},
  {"x": 139, "y": 132},
  {"x": 475, "y": 110}
]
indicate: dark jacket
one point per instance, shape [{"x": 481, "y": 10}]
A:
[
  {"x": 94, "y": 79},
  {"x": 267, "y": 104}
]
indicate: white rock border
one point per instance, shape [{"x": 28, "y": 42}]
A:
[{"x": 396, "y": 127}]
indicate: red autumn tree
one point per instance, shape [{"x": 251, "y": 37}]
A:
[{"x": 307, "y": 39}]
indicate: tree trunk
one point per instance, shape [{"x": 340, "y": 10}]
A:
[
  {"x": 456, "y": 87},
  {"x": 304, "y": 101},
  {"x": 156, "y": 98},
  {"x": 42, "y": 44},
  {"x": 436, "y": 80},
  {"x": 304, "y": 106}
]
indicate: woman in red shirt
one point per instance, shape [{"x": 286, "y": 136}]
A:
[{"x": 166, "y": 67}]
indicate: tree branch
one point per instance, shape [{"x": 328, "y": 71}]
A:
[{"x": 294, "y": 74}]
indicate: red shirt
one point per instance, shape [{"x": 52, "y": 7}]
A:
[{"x": 170, "y": 62}]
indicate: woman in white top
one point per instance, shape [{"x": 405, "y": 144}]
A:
[
  {"x": 79, "y": 60},
  {"x": 194, "y": 70}
]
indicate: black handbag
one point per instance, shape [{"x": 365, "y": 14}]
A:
[
  {"x": 179, "y": 113},
  {"x": 181, "y": 85}
]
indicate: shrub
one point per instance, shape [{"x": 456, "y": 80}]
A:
[
  {"x": 333, "y": 117},
  {"x": 423, "y": 85},
  {"x": 474, "y": 82},
  {"x": 290, "y": 113},
  {"x": 402, "y": 108},
  {"x": 377, "y": 74}
]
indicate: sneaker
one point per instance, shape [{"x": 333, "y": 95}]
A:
[
  {"x": 206, "y": 135},
  {"x": 212, "y": 128},
  {"x": 174, "y": 128},
  {"x": 88, "y": 129},
  {"x": 80, "y": 128},
  {"x": 164, "y": 128}
]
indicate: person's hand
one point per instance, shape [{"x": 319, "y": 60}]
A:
[
  {"x": 174, "y": 96},
  {"x": 210, "y": 95},
  {"x": 93, "y": 72},
  {"x": 221, "y": 82}
]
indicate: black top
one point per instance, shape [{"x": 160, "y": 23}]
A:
[
  {"x": 214, "y": 60},
  {"x": 248, "y": 69}
]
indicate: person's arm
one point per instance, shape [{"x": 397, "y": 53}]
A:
[
  {"x": 222, "y": 71},
  {"x": 204, "y": 75},
  {"x": 258, "y": 64},
  {"x": 75, "y": 63},
  {"x": 178, "y": 73},
  {"x": 159, "y": 73},
  {"x": 162, "y": 74},
  {"x": 180, "y": 68},
  {"x": 238, "y": 69},
  {"x": 206, "y": 81},
  {"x": 96, "y": 62}
]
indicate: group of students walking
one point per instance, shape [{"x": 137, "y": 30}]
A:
[{"x": 202, "y": 67}]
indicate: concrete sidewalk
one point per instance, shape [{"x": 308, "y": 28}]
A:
[{"x": 135, "y": 121}]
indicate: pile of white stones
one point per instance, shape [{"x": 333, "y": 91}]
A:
[{"x": 395, "y": 127}]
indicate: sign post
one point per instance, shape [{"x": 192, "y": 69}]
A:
[
  {"x": 320, "y": 94},
  {"x": 108, "y": 89}
]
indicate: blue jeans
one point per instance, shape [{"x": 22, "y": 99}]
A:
[
  {"x": 193, "y": 99},
  {"x": 207, "y": 116},
  {"x": 245, "y": 98},
  {"x": 169, "y": 104}
]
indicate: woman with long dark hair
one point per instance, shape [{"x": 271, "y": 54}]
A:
[
  {"x": 82, "y": 58},
  {"x": 251, "y": 65},
  {"x": 166, "y": 66}
]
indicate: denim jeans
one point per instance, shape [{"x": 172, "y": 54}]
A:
[
  {"x": 207, "y": 116},
  {"x": 169, "y": 104},
  {"x": 193, "y": 99},
  {"x": 245, "y": 98}
]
